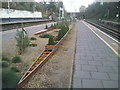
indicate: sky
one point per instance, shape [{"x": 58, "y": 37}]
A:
[{"x": 74, "y": 5}]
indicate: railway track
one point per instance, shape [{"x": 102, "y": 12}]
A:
[
  {"x": 112, "y": 32},
  {"x": 14, "y": 25}
]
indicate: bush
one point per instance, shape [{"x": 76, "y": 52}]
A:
[
  {"x": 45, "y": 35},
  {"x": 5, "y": 59},
  {"x": 61, "y": 33},
  {"x": 16, "y": 59},
  {"x": 51, "y": 25},
  {"x": 33, "y": 38},
  {"x": 5, "y": 64},
  {"x": 46, "y": 27},
  {"x": 9, "y": 78},
  {"x": 33, "y": 45},
  {"x": 51, "y": 41},
  {"x": 15, "y": 69}
]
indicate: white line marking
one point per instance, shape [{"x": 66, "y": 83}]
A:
[
  {"x": 102, "y": 40},
  {"x": 105, "y": 34}
]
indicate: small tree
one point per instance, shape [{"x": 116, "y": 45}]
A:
[{"x": 22, "y": 40}]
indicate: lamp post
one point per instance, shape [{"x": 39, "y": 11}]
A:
[
  {"x": 34, "y": 11},
  {"x": 9, "y": 9}
]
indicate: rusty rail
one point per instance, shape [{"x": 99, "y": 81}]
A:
[{"x": 40, "y": 61}]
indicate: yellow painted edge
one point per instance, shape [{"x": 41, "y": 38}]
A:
[{"x": 104, "y": 41}]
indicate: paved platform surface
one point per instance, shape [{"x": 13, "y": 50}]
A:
[{"x": 96, "y": 65}]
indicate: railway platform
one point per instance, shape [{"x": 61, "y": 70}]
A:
[{"x": 96, "y": 59}]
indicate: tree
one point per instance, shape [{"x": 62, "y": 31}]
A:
[
  {"x": 22, "y": 40},
  {"x": 107, "y": 10}
]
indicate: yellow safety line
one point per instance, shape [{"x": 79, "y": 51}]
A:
[{"x": 103, "y": 41}]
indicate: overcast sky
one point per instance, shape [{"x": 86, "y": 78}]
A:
[{"x": 74, "y": 5}]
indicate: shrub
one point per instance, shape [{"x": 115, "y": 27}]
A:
[
  {"x": 51, "y": 41},
  {"x": 33, "y": 38},
  {"x": 16, "y": 59},
  {"x": 5, "y": 64},
  {"x": 45, "y": 35},
  {"x": 51, "y": 25},
  {"x": 33, "y": 45},
  {"x": 46, "y": 26},
  {"x": 9, "y": 78},
  {"x": 5, "y": 58},
  {"x": 15, "y": 69},
  {"x": 61, "y": 33}
]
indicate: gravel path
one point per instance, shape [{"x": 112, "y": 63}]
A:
[{"x": 56, "y": 72}]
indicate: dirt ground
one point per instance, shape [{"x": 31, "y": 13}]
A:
[
  {"x": 9, "y": 50},
  {"x": 56, "y": 73}
]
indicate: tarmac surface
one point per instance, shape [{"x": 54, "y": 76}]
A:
[{"x": 96, "y": 59}]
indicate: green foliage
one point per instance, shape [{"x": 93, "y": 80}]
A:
[
  {"x": 51, "y": 25},
  {"x": 60, "y": 35},
  {"x": 5, "y": 58},
  {"x": 16, "y": 59},
  {"x": 9, "y": 78},
  {"x": 15, "y": 69},
  {"x": 62, "y": 32},
  {"x": 46, "y": 27},
  {"x": 45, "y": 35},
  {"x": 5, "y": 64},
  {"x": 33, "y": 38},
  {"x": 33, "y": 45},
  {"x": 107, "y": 10},
  {"x": 51, "y": 41},
  {"x": 56, "y": 25},
  {"x": 22, "y": 40}
]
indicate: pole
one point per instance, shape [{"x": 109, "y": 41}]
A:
[{"x": 9, "y": 9}]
